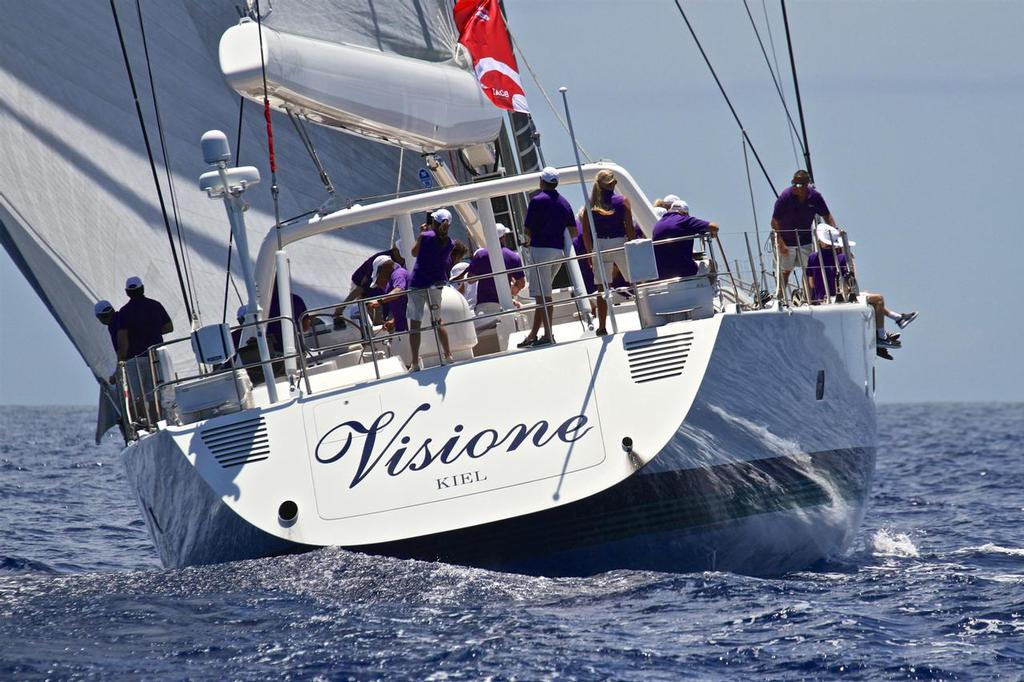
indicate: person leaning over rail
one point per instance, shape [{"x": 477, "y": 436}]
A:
[
  {"x": 392, "y": 281},
  {"x": 793, "y": 225},
  {"x": 548, "y": 217},
  {"x": 676, "y": 259},
  {"x": 361, "y": 278},
  {"x": 830, "y": 244},
  {"x": 142, "y": 322},
  {"x": 613, "y": 225},
  {"x": 432, "y": 250}
]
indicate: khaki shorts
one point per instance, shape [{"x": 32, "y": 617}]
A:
[
  {"x": 416, "y": 308},
  {"x": 542, "y": 273},
  {"x": 616, "y": 258},
  {"x": 796, "y": 257}
]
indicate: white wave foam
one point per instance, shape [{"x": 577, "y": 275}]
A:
[
  {"x": 991, "y": 548},
  {"x": 888, "y": 543}
]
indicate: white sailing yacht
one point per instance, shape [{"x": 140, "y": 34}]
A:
[{"x": 708, "y": 430}]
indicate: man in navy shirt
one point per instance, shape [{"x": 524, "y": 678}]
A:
[
  {"x": 107, "y": 316},
  {"x": 549, "y": 217},
  {"x": 142, "y": 322},
  {"x": 793, "y": 225},
  {"x": 432, "y": 250},
  {"x": 676, "y": 259}
]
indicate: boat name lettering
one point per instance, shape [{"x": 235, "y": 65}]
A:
[
  {"x": 454, "y": 480},
  {"x": 338, "y": 441}
]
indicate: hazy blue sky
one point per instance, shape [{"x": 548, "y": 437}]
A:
[{"x": 913, "y": 111}]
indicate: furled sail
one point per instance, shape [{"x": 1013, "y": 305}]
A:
[{"x": 78, "y": 209}]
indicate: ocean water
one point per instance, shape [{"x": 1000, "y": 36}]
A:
[{"x": 933, "y": 589}]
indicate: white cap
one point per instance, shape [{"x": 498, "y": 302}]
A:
[
  {"x": 670, "y": 199},
  {"x": 458, "y": 269},
  {"x": 502, "y": 230},
  {"x": 679, "y": 206},
  {"x": 442, "y": 215},
  {"x": 549, "y": 174},
  {"x": 378, "y": 263},
  {"x": 102, "y": 306},
  {"x": 830, "y": 235},
  {"x": 659, "y": 211},
  {"x": 242, "y": 310},
  {"x": 133, "y": 283}
]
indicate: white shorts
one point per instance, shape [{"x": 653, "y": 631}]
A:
[
  {"x": 542, "y": 273},
  {"x": 611, "y": 259},
  {"x": 416, "y": 308},
  {"x": 795, "y": 257}
]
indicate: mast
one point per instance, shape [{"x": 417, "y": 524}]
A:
[{"x": 796, "y": 90}]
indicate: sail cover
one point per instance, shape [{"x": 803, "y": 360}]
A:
[{"x": 78, "y": 209}]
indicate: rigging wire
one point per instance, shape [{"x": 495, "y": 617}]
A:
[
  {"x": 152, "y": 163},
  {"x": 544, "y": 93},
  {"x": 721, "y": 89},
  {"x": 398, "y": 190},
  {"x": 274, "y": 190},
  {"x": 775, "y": 80},
  {"x": 194, "y": 297},
  {"x": 307, "y": 142},
  {"x": 778, "y": 70},
  {"x": 796, "y": 92},
  {"x": 753, "y": 210}
]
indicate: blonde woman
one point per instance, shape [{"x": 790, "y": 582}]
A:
[{"x": 613, "y": 224}]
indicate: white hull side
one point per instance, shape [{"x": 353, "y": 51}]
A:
[{"x": 757, "y": 459}]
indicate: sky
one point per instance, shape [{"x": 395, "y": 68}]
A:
[{"x": 912, "y": 111}]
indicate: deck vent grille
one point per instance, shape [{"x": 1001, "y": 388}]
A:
[
  {"x": 238, "y": 443},
  {"x": 658, "y": 357}
]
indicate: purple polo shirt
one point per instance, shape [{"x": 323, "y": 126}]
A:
[
  {"x": 142, "y": 318},
  {"x": 480, "y": 264},
  {"x": 547, "y": 217},
  {"x": 586, "y": 269},
  {"x": 400, "y": 279},
  {"x": 361, "y": 277},
  {"x": 813, "y": 269},
  {"x": 612, "y": 226},
  {"x": 432, "y": 260},
  {"x": 796, "y": 218},
  {"x": 676, "y": 260}
]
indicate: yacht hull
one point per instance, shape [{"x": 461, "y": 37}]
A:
[{"x": 769, "y": 470}]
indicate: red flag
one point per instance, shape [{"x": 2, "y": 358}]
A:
[{"x": 482, "y": 30}]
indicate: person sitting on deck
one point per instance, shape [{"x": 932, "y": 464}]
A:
[
  {"x": 793, "y": 225},
  {"x": 676, "y": 259},
  {"x": 613, "y": 225},
  {"x": 480, "y": 264},
  {"x": 830, "y": 246},
  {"x": 549, "y": 217},
  {"x": 432, "y": 250},
  {"x": 458, "y": 281},
  {"x": 274, "y": 338}
]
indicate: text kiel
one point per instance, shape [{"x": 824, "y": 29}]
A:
[{"x": 411, "y": 457}]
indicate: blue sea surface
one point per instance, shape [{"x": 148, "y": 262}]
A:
[{"x": 933, "y": 589}]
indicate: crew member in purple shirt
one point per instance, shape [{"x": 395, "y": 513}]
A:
[
  {"x": 432, "y": 251},
  {"x": 361, "y": 276},
  {"x": 549, "y": 220},
  {"x": 830, "y": 244},
  {"x": 676, "y": 259},
  {"x": 480, "y": 264},
  {"x": 613, "y": 224},
  {"x": 392, "y": 281},
  {"x": 107, "y": 316},
  {"x": 793, "y": 225}
]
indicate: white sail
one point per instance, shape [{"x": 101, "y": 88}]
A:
[{"x": 78, "y": 209}]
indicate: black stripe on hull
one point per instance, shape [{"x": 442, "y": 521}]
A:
[{"x": 675, "y": 521}]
